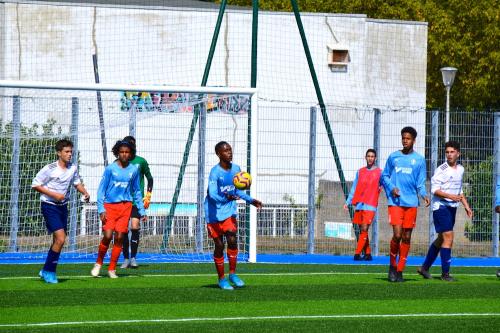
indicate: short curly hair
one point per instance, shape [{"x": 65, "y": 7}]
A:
[
  {"x": 410, "y": 130},
  {"x": 121, "y": 143}
]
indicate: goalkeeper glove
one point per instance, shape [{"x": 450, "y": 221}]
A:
[{"x": 147, "y": 200}]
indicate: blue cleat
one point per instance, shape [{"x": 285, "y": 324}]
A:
[
  {"x": 49, "y": 277},
  {"x": 40, "y": 274},
  {"x": 224, "y": 284},
  {"x": 236, "y": 280}
]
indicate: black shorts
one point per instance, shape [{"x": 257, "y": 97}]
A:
[{"x": 135, "y": 213}]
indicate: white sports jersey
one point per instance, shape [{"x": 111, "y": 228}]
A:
[
  {"x": 448, "y": 180},
  {"x": 56, "y": 179}
]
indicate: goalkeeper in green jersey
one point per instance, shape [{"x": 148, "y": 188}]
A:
[{"x": 143, "y": 167}]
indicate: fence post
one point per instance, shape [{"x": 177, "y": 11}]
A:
[
  {"x": 14, "y": 170},
  {"x": 132, "y": 119},
  {"x": 433, "y": 164},
  {"x": 311, "y": 205},
  {"x": 73, "y": 203},
  {"x": 496, "y": 174},
  {"x": 376, "y": 145},
  {"x": 201, "y": 177}
]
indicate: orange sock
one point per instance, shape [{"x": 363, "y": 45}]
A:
[
  {"x": 232, "y": 256},
  {"x": 115, "y": 254},
  {"x": 103, "y": 248},
  {"x": 394, "y": 252},
  {"x": 367, "y": 248},
  {"x": 403, "y": 254},
  {"x": 363, "y": 237},
  {"x": 219, "y": 266}
]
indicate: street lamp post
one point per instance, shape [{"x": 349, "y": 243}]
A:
[{"x": 448, "y": 78}]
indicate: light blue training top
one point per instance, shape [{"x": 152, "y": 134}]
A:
[
  {"x": 407, "y": 172},
  {"x": 117, "y": 185},
  {"x": 220, "y": 183}
]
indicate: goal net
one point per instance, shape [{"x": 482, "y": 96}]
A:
[{"x": 176, "y": 130}]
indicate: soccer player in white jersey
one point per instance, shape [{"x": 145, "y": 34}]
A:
[
  {"x": 447, "y": 194},
  {"x": 53, "y": 182}
]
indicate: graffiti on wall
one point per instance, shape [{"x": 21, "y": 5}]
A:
[{"x": 183, "y": 102}]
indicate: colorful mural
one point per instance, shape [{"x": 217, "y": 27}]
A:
[{"x": 182, "y": 102}]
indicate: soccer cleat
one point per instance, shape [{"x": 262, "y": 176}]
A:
[
  {"x": 96, "y": 270},
  {"x": 368, "y": 257},
  {"x": 126, "y": 263},
  {"x": 392, "y": 276},
  {"x": 357, "y": 257},
  {"x": 112, "y": 275},
  {"x": 399, "y": 277},
  {"x": 236, "y": 280},
  {"x": 498, "y": 273},
  {"x": 133, "y": 263},
  {"x": 50, "y": 277},
  {"x": 224, "y": 284},
  {"x": 425, "y": 273},
  {"x": 40, "y": 274},
  {"x": 447, "y": 277}
]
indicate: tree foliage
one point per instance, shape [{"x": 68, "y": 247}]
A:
[
  {"x": 462, "y": 34},
  {"x": 36, "y": 150},
  {"x": 479, "y": 177}
]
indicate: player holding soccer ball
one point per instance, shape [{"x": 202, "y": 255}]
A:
[
  {"x": 221, "y": 212},
  {"x": 364, "y": 196},
  {"x": 53, "y": 182}
]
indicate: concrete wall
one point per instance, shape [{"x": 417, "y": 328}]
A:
[{"x": 135, "y": 45}]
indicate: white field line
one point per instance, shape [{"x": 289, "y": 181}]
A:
[
  {"x": 242, "y": 274},
  {"x": 201, "y": 319}
]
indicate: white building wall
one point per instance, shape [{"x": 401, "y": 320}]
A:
[{"x": 387, "y": 71}]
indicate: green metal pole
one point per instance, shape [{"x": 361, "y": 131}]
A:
[
  {"x": 320, "y": 101},
  {"x": 196, "y": 114},
  {"x": 253, "y": 84}
]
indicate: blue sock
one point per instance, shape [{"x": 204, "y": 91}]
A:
[
  {"x": 51, "y": 261},
  {"x": 445, "y": 260},
  {"x": 431, "y": 256}
]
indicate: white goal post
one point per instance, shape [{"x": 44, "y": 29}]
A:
[{"x": 161, "y": 123}]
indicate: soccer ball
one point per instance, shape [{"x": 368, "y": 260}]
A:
[{"x": 242, "y": 180}]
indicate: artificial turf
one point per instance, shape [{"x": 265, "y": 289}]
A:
[{"x": 288, "y": 298}]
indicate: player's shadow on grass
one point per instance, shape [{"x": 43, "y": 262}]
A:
[
  {"x": 211, "y": 286},
  {"x": 405, "y": 280}
]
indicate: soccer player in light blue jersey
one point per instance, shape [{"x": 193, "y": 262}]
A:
[
  {"x": 143, "y": 167},
  {"x": 447, "y": 194},
  {"x": 119, "y": 186},
  {"x": 53, "y": 182},
  {"x": 221, "y": 211},
  {"x": 404, "y": 181}
]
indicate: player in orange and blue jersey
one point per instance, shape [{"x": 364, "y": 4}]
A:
[
  {"x": 221, "y": 211},
  {"x": 404, "y": 181},
  {"x": 143, "y": 167},
  {"x": 364, "y": 197},
  {"x": 119, "y": 186}
]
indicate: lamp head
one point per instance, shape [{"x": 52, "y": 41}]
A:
[{"x": 448, "y": 76}]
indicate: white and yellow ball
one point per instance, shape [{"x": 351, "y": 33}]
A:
[{"x": 242, "y": 180}]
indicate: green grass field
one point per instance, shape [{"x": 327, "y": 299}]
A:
[{"x": 288, "y": 298}]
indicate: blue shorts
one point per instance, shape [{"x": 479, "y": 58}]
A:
[
  {"x": 56, "y": 217},
  {"x": 444, "y": 218}
]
